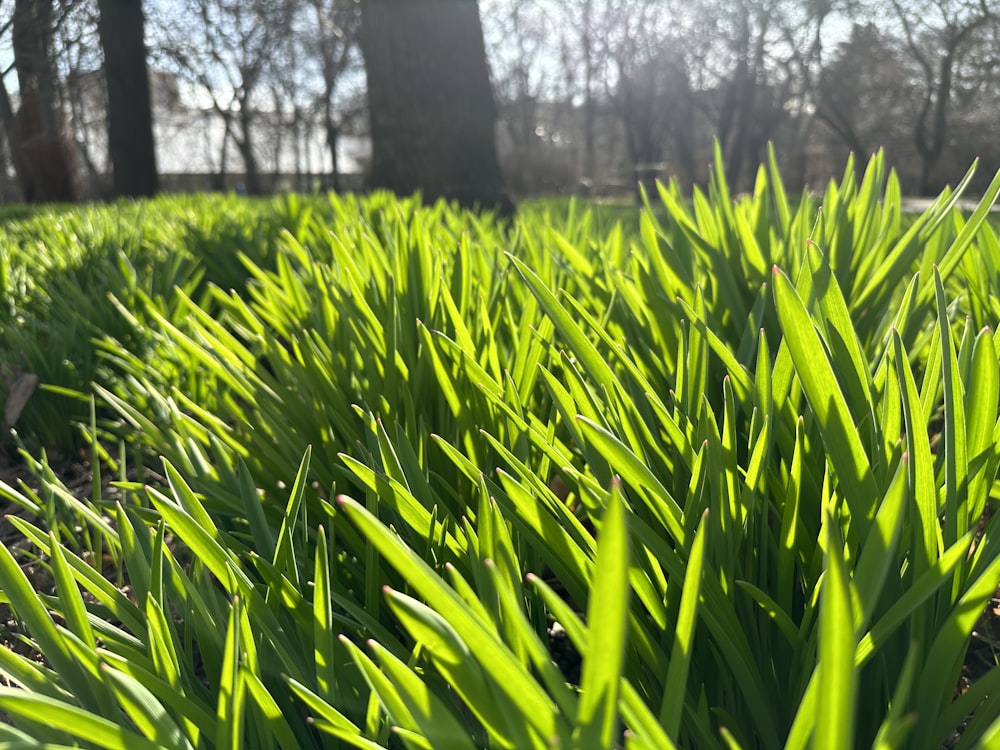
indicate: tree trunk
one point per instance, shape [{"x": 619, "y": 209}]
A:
[
  {"x": 219, "y": 181},
  {"x": 332, "y": 131},
  {"x": 587, "y": 42},
  {"x": 244, "y": 145},
  {"x": 932, "y": 125},
  {"x": 42, "y": 154},
  {"x": 130, "y": 118},
  {"x": 734, "y": 131},
  {"x": 332, "y": 141},
  {"x": 433, "y": 116}
]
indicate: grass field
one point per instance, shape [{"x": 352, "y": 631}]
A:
[{"x": 359, "y": 472}]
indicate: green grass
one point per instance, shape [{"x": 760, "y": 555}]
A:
[
  {"x": 737, "y": 449},
  {"x": 60, "y": 268}
]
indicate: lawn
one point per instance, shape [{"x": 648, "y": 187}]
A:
[{"x": 361, "y": 472}]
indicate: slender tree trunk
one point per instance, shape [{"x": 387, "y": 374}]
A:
[
  {"x": 735, "y": 133},
  {"x": 77, "y": 109},
  {"x": 523, "y": 121},
  {"x": 332, "y": 139},
  {"x": 130, "y": 113},
  {"x": 433, "y": 116},
  {"x": 278, "y": 135},
  {"x": 332, "y": 143},
  {"x": 223, "y": 173},
  {"x": 932, "y": 125},
  {"x": 297, "y": 149},
  {"x": 245, "y": 146},
  {"x": 587, "y": 40}
]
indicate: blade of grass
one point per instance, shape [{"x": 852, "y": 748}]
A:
[
  {"x": 148, "y": 714},
  {"x": 435, "y": 721},
  {"x": 607, "y": 623},
  {"x": 80, "y": 723},
  {"x": 840, "y": 436},
  {"x": 231, "y": 690},
  {"x": 511, "y": 677},
  {"x": 837, "y": 683},
  {"x": 675, "y": 685},
  {"x": 28, "y": 607}
]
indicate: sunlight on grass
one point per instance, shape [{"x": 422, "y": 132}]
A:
[{"x": 374, "y": 460}]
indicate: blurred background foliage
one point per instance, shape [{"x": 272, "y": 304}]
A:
[{"x": 582, "y": 96}]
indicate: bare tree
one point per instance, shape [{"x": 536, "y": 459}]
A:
[
  {"x": 652, "y": 89},
  {"x": 516, "y": 49},
  {"x": 866, "y": 94},
  {"x": 336, "y": 25},
  {"x": 591, "y": 23},
  {"x": 536, "y": 151},
  {"x": 227, "y": 47},
  {"x": 660, "y": 118},
  {"x": 79, "y": 62},
  {"x": 941, "y": 36},
  {"x": 759, "y": 80},
  {"x": 40, "y": 151}
]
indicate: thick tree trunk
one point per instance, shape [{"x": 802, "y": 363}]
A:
[
  {"x": 130, "y": 118},
  {"x": 41, "y": 152},
  {"x": 433, "y": 116},
  {"x": 32, "y": 27}
]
